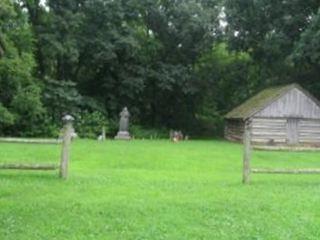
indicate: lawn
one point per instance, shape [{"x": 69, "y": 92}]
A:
[{"x": 157, "y": 190}]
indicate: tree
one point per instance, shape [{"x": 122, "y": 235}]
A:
[
  {"x": 306, "y": 55},
  {"x": 179, "y": 32},
  {"x": 20, "y": 94},
  {"x": 268, "y": 30}
]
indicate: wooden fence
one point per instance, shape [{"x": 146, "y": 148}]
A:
[
  {"x": 64, "y": 160},
  {"x": 247, "y": 170}
]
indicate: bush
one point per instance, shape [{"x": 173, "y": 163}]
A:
[
  {"x": 209, "y": 127},
  {"x": 89, "y": 124},
  {"x": 138, "y": 131},
  {"x": 44, "y": 127}
]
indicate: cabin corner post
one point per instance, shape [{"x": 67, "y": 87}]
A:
[
  {"x": 247, "y": 151},
  {"x": 67, "y": 132}
]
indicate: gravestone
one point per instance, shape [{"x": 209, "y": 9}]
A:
[
  {"x": 123, "y": 132},
  {"x": 102, "y": 136},
  {"x": 176, "y": 136}
]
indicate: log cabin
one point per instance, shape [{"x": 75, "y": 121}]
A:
[{"x": 283, "y": 115}]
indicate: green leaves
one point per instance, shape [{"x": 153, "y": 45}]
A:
[
  {"x": 307, "y": 49},
  {"x": 20, "y": 95},
  {"x": 280, "y": 36},
  {"x": 171, "y": 62},
  {"x": 90, "y": 124},
  {"x": 27, "y": 104},
  {"x": 6, "y": 118},
  {"x": 61, "y": 97}
]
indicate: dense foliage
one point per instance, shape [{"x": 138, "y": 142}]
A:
[{"x": 179, "y": 64}]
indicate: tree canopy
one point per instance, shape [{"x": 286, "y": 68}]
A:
[{"x": 178, "y": 64}]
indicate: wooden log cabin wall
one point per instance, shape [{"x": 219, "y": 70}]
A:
[{"x": 286, "y": 115}]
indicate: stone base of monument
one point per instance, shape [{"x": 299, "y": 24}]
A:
[{"x": 123, "y": 135}]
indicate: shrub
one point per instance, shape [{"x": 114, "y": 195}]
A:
[
  {"x": 89, "y": 124},
  {"x": 138, "y": 131}
]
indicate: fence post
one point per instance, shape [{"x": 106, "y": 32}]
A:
[
  {"x": 247, "y": 151},
  {"x": 67, "y": 131},
  {"x": 103, "y": 135}
]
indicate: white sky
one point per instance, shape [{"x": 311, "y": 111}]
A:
[{"x": 43, "y": 2}]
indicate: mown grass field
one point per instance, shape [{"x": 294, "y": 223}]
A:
[{"x": 157, "y": 190}]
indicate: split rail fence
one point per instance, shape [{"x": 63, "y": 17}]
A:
[
  {"x": 247, "y": 154},
  {"x": 65, "y": 151}
]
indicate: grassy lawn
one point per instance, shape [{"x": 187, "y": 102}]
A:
[{"x": 157, "y": 190}]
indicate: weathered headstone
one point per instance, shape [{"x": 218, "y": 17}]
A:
[
  {"x": 176, "y": 136},
  {"x": 102, "y": 136},
  {"x": 123, "y": 132}
]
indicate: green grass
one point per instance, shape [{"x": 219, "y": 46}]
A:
[{"x": 157, "y": 190}]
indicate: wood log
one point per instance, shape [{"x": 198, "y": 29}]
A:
[
  {"x": 31, "y": 140},
  {"x": 103, "y": 134},
  {"x": 64, "y": 161},
  {"x": 285, "y": 171},
  {"x": 309, "y": 141},
  {"x": 266, "y": 140},
  {"x": 17, "y": 166},
  {"x": 268, "y": 133},
  {"x": 286, "y": 148},
  {"x": 246, "y": 152}
]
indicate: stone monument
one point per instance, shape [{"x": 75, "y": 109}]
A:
[{"x": 123, "y": 132}]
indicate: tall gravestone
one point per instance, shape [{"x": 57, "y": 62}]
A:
[{"x": 123, "y": 132}]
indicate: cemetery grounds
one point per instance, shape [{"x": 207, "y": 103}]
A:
[{"x": 146, "y": 189}]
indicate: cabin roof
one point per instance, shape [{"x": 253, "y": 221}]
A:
[{"x": 263, "y": 99}]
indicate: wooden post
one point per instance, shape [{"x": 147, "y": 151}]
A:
[
  {"x": 66, "y": 146},
  {"x": 103, "y": 135},
  {"x": 247, "y": 151}
]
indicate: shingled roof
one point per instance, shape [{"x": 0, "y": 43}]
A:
[{"x": 261, "y": 100}]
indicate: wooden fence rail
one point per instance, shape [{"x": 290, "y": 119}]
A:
[
  {"x": 285, "y": 171},
  {"x": 247, "y": 170},
  {"x": 65, "y": 155},
  {"x": 31, "y": 140},
  {"x": 247, "y": 152},
  {"x": 15, "y": 166}
]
